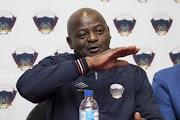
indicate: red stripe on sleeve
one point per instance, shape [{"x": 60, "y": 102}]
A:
[{"x": 78, "y": 67}]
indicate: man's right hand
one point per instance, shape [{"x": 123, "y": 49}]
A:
[{"x": 108, "y": 59}]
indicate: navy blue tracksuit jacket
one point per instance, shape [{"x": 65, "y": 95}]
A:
[{"x": 61, "y": 80}]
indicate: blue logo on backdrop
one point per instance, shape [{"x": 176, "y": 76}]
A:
[
  {"x": 7, "y": 95},
  {"x": 144, "y": 57},
  {"x": 175, "y": 56},
  {"x": 177, "y": 1},
  {"x": 105, "y": 0},
  {"x": 45, "y": 21},
  {"x": 7, "y": 21},
  {"x": 161, "y": 23},
  {"x": 124, "y": 24},
  {"x": 63, "y": 50},
  {"x": 142, "y": 1},
  {"x": 25, "y": 57}
]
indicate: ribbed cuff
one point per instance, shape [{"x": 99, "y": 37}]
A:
[{"x": 81, "y": 66}]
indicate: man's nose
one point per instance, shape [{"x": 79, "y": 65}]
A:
[{"x": 92, "y": 37}]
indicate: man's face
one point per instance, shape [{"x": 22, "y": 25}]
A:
[{"x": 89, "y": 35}]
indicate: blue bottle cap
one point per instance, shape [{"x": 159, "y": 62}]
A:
[{"x": 88, "y": 92}]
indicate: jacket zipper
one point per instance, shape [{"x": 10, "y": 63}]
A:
[
  {"x": 97, "y": 87},
  {"x": 96, "y": 76}
]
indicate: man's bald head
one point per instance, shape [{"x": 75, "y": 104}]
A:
[
  {"x": 88, "y": 33},
  {"x": 82, "y": 13}
]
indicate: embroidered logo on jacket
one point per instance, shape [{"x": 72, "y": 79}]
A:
[
  {"x": 116, "y": 90},
  {"x": 81, "y": 86}
]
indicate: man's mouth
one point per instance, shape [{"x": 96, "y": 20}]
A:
[{"x": 93, "y": 49}]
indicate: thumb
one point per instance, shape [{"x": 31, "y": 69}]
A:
[
  {"x": 137, "y": 116},
  {"x": 120, "y": 63}
]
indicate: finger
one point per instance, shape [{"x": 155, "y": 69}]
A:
[
  {"x": 120, "y": 63},
  {"x": 131, "y": 50},
  {"x": 137, "y": 116},
  {"x": 127, "y": 48},
  {"x": 125, "y": 51},
  {"x": 120, "y": 52}
]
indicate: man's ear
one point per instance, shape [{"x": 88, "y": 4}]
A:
[
  {"x": 69, "y": 42},
  {"x": 109, "y": 32}
]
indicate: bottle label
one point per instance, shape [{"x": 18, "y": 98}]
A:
[{"x": 89, "y": 115}]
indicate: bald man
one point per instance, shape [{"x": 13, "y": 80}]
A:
[{"x": 61, "y": 80}]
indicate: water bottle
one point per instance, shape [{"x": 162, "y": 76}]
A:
[{"x": 88, "y": 109}]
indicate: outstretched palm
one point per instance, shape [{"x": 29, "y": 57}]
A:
[{"x": 108, "y": 59}]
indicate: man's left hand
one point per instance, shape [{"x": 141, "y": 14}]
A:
[{"x": 137, "y": 116}]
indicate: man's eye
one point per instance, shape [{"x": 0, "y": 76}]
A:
[
  {"x": 99, "y": 31},
  {"x": 81, "y": 36}
]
